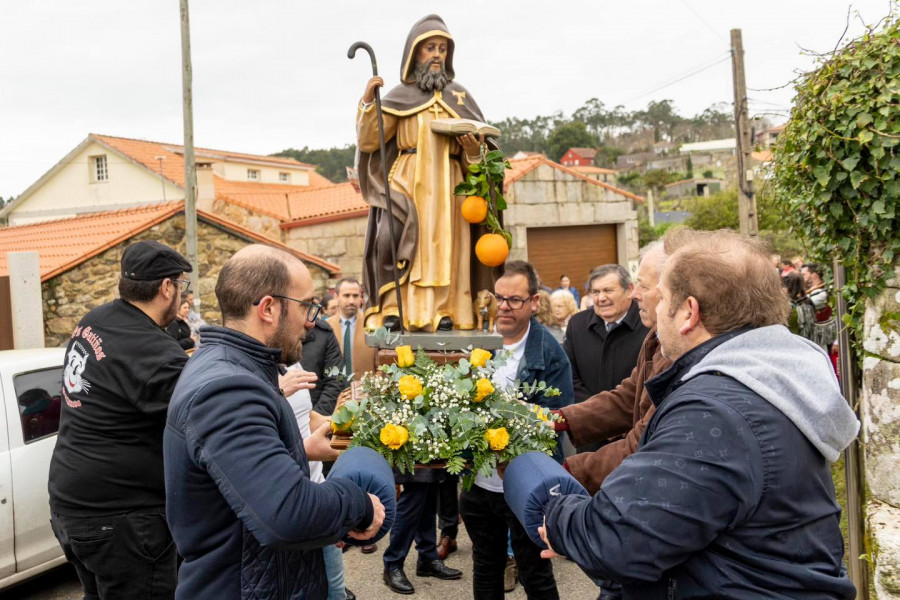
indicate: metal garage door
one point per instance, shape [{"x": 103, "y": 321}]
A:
[{"x": 573, "y": 250}]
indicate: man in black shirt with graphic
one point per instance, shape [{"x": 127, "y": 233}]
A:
[{"x": 107, "y": 498}]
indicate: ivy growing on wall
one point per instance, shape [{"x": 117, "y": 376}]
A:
[{"x": 837, "y": 164}]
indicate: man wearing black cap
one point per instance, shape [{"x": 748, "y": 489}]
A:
[{"x": 107, "y": 498}]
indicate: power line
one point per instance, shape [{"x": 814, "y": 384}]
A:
[
  {"x": 702, "y": 20},
  {"x": 686, "y": 75}
]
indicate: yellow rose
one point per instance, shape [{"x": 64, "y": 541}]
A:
[
  {"x": 483, "y": 389},
  {"x": 405, "y": 356},
  {"x": 497, "y": 438},
  {"x": 410, "y": 386},
  {"x": 393, "y": 436},
  {"x": 345, "y": 427},
  {"x": 479, "y": 357}
]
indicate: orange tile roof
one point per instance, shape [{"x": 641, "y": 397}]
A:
[
  {"x": 763, "y": 156},
  {"x": 66, "y": 243},
  {"x": 147, "y": 154},
  {"x": 584, "y": 152},
  {"x": 335, "y": 200}
]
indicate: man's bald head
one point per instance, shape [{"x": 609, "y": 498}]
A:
[{"x": 253, "y": 272}]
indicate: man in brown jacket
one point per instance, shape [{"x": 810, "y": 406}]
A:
[{"x": 626, "y": 409}]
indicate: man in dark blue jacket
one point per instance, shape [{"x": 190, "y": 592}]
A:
[
  {"x": 242, "y": 509},
  {"x": 730, "y": 493},
  {"x": 535, "y": 356}
]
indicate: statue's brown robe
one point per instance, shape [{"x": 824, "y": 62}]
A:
[{"x": 433, "y": 241}]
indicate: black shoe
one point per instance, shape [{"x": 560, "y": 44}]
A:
[
  {"x": 436, "y": 568},
  {"x": 445, "y": 324},
  {"x": 397, "y": 581},
  {"x": 391, "y": 323},
  {"x": 350, "y": 595}
]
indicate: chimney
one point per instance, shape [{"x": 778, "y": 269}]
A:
[{"x": 206, "y": 189}]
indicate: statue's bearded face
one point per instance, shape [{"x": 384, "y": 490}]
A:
[
  {"x": 430, "y": 58},
  {"x": 431, "y": 76}
]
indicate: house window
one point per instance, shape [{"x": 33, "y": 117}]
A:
[
  {"x": 253, "y": 174},
  {"x": 284, "y": 177},
  {"x": 99, "y": 171}
]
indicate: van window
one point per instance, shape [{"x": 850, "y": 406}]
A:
[{"x": 39, "y": 396}]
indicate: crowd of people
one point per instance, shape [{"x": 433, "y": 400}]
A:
[{"x": 700, "y": 426}]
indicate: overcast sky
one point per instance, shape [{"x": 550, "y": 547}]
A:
[{"x": 273, "y": 74}]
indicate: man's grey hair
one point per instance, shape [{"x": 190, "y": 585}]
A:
[
  {"x": 428, "y": 80},
  {"x": 604, "y": 270},
  {"x": 652, "y": 247}
]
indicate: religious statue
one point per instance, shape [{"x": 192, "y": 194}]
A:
[{"x": 434, "y": 247}]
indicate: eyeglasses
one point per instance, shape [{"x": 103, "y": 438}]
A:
[
  {"x": 183, "y": 284},
  {"x": 514, "y": 303},
  {"x": 314, "y": 308}
]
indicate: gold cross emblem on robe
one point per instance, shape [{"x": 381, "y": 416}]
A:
[
  {"x": 460, "y": 96},
  {"x": 436, "y": 109}
]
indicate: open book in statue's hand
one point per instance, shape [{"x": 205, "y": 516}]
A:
[{"x": 463, "y": 126}]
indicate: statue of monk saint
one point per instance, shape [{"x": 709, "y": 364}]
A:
[{"x": 434, "y": 242}]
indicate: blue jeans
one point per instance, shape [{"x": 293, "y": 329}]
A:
[{"x": 334, "y": 571}]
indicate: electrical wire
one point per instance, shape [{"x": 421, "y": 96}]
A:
[
  {"x": 686, "y": 75},
  {"x": 702, "y": 20}
]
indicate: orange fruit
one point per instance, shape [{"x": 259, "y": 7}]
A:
[
  {"x": 474, "y": 209},
  {"x": 491, "y": 249}
]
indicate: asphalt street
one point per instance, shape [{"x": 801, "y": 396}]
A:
[{"x": 363, "y": 574}]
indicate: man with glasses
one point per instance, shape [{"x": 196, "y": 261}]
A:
[
  {"x": 534, "y": 356},
  {"x": 107, "y": 498},
  {"x": 603, "y": 343},
  {"x": 244, "y": 513}
]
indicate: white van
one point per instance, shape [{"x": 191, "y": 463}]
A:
[{"x": 30, "y": 382}]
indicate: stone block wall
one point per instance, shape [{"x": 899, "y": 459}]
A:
[
  {"x": 254, "y": 221},
  {"x": 341, "y": 242},
  {"x": 69, "y": 296},
  {"x": 880, "y": 414},
  {"x": 548, "y": 197}
]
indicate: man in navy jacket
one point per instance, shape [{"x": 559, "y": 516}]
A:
[
  {"x": 730, "y": 493},
  {"x": 242, "y": 509}
]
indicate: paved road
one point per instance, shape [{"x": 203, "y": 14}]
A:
[{"x": 363, "y": 573}]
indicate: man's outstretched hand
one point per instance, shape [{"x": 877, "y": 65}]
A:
[{"x": 377, "y": 521}]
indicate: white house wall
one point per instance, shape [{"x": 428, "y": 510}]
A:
[{"x": 70, "y": 191}]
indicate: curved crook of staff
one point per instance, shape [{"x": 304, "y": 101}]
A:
[{"x": 351, "y": 53}]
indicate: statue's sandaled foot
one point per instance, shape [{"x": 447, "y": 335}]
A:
[
  {"x": 445, "y": 324},
  {"x": 391, "y": 323}
]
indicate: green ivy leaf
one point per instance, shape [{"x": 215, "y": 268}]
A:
[{"x": 850, "y": 163}]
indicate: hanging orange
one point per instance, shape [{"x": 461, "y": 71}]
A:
[
  {"x": 474, "y": 209},
  {"x": 491, "y": 249}
]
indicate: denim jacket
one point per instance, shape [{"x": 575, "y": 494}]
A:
[{"x": 545, "y": 360}]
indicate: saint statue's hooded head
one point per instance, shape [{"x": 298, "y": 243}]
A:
[{"x": 425, "y": 28}]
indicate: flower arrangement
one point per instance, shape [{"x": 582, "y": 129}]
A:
[{"x": 416, "y": 411}]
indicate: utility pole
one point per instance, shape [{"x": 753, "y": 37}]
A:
[
  {"x": 190, "y": 167},
  {"x": 651, "y": 209},
  {"x": 746, "y": 198}
]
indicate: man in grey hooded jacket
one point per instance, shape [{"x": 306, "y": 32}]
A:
[{"x": 730, "y": 491}]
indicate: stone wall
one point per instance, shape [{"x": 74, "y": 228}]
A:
[
  {"x": 67, "y": 297},
  {"x": 248, "y": 219},
  {"x": 880, "y": 413},
  {"x": 548, "y": 197},
  {"x": 341, "y": 242}
]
